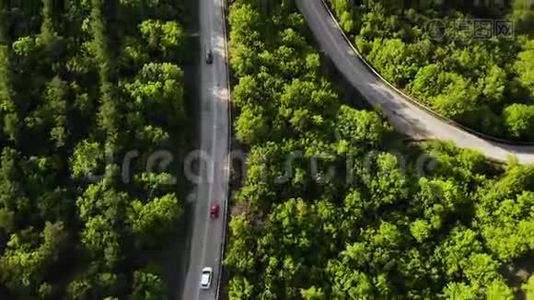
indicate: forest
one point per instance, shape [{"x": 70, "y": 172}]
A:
[
  {"x": 453, "y": 57},
  {"x": 82, "y": 84},
  {"x": 335, "y": 205}
]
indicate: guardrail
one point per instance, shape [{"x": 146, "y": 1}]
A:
[{"x": 412, "y": 100}]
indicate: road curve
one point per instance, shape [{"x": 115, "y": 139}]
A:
[
  {"x": 405, "y": 116},
  {"x": 208, "y": 236}
]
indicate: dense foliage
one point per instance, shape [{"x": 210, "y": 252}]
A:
[
  {"x": 327, "y": 211},
  {"x": 443, "y": 54},
  {"x": 82, "y": 83}
]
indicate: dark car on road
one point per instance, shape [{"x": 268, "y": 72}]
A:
[{"x": 209, "y": 57}]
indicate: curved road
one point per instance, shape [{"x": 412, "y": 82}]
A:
[
  {"x": 208, "y": 235},
  {"x": 207, "y": 239},
  {"x": 405, "y": 116}
]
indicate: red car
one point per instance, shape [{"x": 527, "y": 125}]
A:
[{"x": 214, "y": 210}]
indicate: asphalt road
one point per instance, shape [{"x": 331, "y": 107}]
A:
[
  {"x": 405, "y": 116},
  {"x": 207, "y": 234}
]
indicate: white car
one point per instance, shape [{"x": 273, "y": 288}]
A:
[{"x": 205, "y": 279}]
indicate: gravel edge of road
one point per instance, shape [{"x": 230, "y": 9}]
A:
[{"x": 228, "y": 162}]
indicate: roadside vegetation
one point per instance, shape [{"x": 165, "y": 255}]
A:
[
  {"x": 440, "y": 54},
  {"x": 386, "y": 224},
  {"x": 82, "y": 83}
]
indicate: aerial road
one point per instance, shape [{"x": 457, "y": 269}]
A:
[
  {"x": 207, "y": 231},
  {"x": 405, "y": 116}
]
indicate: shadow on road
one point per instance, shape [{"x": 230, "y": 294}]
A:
[{"x": 174, "y": 258}]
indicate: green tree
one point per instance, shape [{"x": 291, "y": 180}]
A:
[
  {"x": 29, "y": 256},
  {"x": 52, "y": 115},
  {"x": 10, "y": 124},
  {"x": 152, "y": 220},
  {"x": 360, "y": 129},
  {"x": 420, "y": 230},
  {"x": 493, "y": 84},
  {"x": 312, "y": 293},
  {"x": 48, "y": 32},
  {"x": 481, "y": 269},
  {"x": 459, "y": 291},
  {"x": 251, "y": 126},
  {"x": 519, "y": 120},
  {"x": 457, "y": 99},
  {"x": 167, "y": 37},
  {"x": 456, "y": 250},
  {"x": 101, "y": 241},
  {"x": 524, "y": 67},
  {"x": 523, "y": 15},
  {"x": 528, "y": 287},
  {"x": 385, "y": 181},
  {"x": 240, "y": 288},
  {"x": 86, "y": 159},
  {"x": 147, "y": 286},
  {"x": 499, "y": 290},
  {"x": 395, "y": 60},
  {"x": 157, "y": 91}
]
